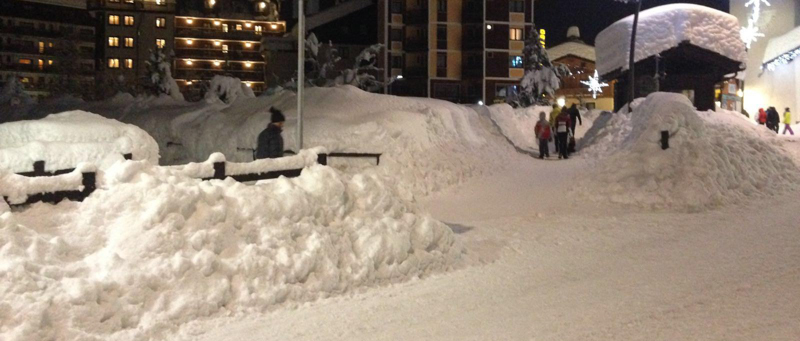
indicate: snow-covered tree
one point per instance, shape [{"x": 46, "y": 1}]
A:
[
  {"x": 227, "y": 90},
  {"x": 541, "y": 78},
  {"x": 362, "y": 74},
  {"x": 159, "y": 68}
]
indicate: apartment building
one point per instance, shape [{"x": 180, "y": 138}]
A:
[
  {"x": 127, "y": 32},
  {"x": 465, "y": 51},
  {"x": 42, "y": 44},
  {"x": 220, "y": 38}
]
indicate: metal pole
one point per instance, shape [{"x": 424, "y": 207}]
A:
[
  {"x": 631, "y": 77},
  {"x": 301, "y": 79}
]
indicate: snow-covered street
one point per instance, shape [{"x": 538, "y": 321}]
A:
[{"x": 543, "y": 267}]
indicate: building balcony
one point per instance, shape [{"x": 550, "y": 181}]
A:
[
  {"x": 416, "y": 17},
  {"x": 207, "y": 74},
  {"x": 217, "y": 54},
  {"x": 137, "y": 5},
  {"x": 210, "y": 33},
  {"x": 47, "y": 69},
  {"x": 45, "y": 33},
  {"x": 416, "y": 71},
  {"x": 415, "y": 44},
  {"x": 472, "y": 16}
]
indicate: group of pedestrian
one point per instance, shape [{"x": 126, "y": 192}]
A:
[
  {"x": 772, "y": 120},
  {"x": 562, "y": 122}
]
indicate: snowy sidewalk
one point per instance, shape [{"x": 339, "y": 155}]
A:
[{"x": 558, "y": 272}]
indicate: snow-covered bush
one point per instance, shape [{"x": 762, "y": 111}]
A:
[
  {"x": 711, "y": 160},
  {"x": 159, "y": 67},
  {"x": 227, "y": 90},
  {"x": 68, "y": 139}
]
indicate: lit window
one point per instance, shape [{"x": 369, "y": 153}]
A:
[
  {"x": 258, "y": 28},
  {"x": 262, "y": 5},
  {"x": 273, "y": 26},
  {"x": 161, "y": 43},
  {"x": 41, "y": 47},
  {"x": 224, "y": 27},
  {"x": 216, "y": 23},
  {"x": 113, "y": 20},
  {"x": 113, "y": 41},
  {"x": 161, "y": 2},
  {"x": 515, "y": 34},
  {"x": 516, "y": 62},
  {"x": 239, "y": 27},
  {"x": 129, "y": 63},
  {"x": 216, "y": 43},
  {"x": 129, "y": 42},
  {"x": 41, "y": 64},
  {"x": 128, "y": 1},
  {"x": 50, "y": 44},
  {"x": 128, "y": 20},
  {"x": 161, "y": 22},
  {"x": 49, "y": 62},
  {"x": 113, "y": 63},
  {"x": 224, "y": 48}
]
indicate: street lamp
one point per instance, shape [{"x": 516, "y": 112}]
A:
[
  {"x": 301, "y": 35},
  {"x": 631, "y": 76}
]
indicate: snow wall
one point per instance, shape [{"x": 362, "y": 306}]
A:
[
  {"x": 151, "y": 250},
  {"x": 714, "y": 159}
]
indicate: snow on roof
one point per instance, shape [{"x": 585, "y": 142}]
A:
[
  {"x": 663, "y": 28},
  {"x": 780, "y": 45},
  {"x": 574, "y": 48}
]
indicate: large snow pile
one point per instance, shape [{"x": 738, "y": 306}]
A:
[
  {"x": 227, "y": 90},
  {"x": 663, "y": 28},
  {"x": 152, "y": 249},
  {"x": 67, "y": 139},
  {"x": 518, "y": 125},
  {"x": 712, "y": 160},
  {"x": 427, "y": 144}
]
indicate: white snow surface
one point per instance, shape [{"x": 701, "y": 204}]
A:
[
  {"x": 152, "y": 249},
  {"x": 227, "y": 90},
  {"x": 67, "y": 139},
  {"x": 518, "y": 125},
  {"x": 663, "y": 28},
  {"x": 780, "y": 45},
  {"x": 714, "y": 159},
  {"x": 427, "y": 144},
  {"x": 16, "y": 188}
]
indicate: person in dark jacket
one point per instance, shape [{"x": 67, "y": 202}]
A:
[
  {"x": 574, "y": 114},
  {"x": 773, "y": 119},
  {"x": 562, "y": 133},
  {"x": 270, "y": 141}
]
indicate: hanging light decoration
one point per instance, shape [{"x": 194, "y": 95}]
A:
[
  {"x": 595, "y": 85},
  {"x": 751, "y": 33}
]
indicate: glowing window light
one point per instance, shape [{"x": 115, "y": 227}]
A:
[
  {"x": 248, "y": 25},
  {"x": 189, "y": 42},
  {"x": 189, "y": 21},
  {"x": 217, "y": 63},
  {"x": 216, "y": 43},
  {"x": 188, "y": 82},
  {"x": 262, "y": 5},
  {"x": 189, "y": 62},
  {"x": 217, "y": 23},
  {"x": 248, "y": 84},
  {"x": 248, "y": 44},
  {"x": 273, "y": 26},
  {"x": 248, "y": 64}
]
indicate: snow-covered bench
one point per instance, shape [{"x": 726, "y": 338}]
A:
[{"x": 217, "y": 167}]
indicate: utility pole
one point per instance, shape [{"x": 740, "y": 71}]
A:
[
  {"x": 301, "y": 79},
  {"x": 631, "y": 76}
]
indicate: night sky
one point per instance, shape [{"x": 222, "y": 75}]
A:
[{"x": 592, "y": 16}]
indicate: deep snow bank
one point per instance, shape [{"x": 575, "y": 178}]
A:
[
  {"x": 518, "y": 125},
  {"x": 67, "y": 139},
  {"x": 711, "y": 161},
  {"x": 427, "y": 144},
  {"x": 152, "y": 250}
]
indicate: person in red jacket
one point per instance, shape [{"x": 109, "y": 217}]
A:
[
  {"x": 544, "y": 134},
  {"x": 563, "y": 123},
  {"x": 762, "y": 116}
]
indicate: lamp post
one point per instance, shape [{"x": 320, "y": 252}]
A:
[
  {"x": 631, "y": 76},
  {"x": 301, "y": 56}
]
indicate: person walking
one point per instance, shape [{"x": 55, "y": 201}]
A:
[
  {"x": 544, "y": 134},
  {"x": 762, "y": 116},
  {"x": 270, "y": 141},
  {"x": 562, "y": 133},
  {"x": 787, "y": 120},
  {"x": 773, "y": 119},
  {"x": 574, "y": 114},
  {"x": 553, "y": 115}
]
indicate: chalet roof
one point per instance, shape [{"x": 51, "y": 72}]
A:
[{"x": 574, "y": 48}]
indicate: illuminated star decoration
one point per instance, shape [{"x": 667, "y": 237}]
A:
[
  {"x": 595, "y": 85},
  {"x": 751, "y": 33}
]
